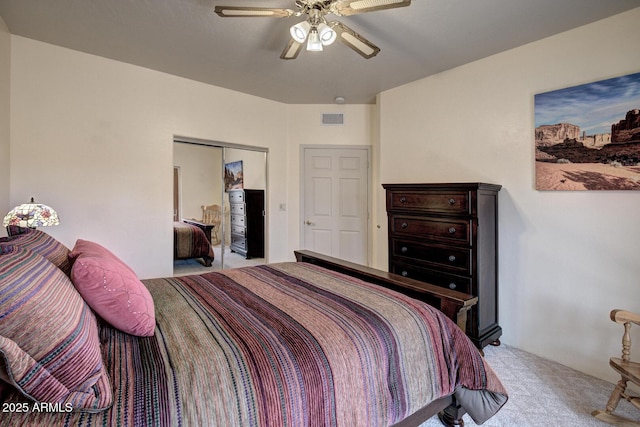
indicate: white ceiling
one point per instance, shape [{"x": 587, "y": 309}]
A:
[{"x": 186, "y": 38}]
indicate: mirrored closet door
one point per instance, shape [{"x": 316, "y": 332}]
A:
[{"x": 220, "y": 194}]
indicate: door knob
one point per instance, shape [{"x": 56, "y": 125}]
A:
[{"x": 308, "y": 222}]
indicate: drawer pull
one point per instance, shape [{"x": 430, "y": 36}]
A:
[
  {"x": 452, "y": 230},
  {"x": 404, "y": 249},
  {"x": 452, "y": 258},
  {"x": 404, "y": 225},
  {"x": 404, "y": 273},
  {"x": 403, "y": 199},
  {"x": 452, "y": 285},
  {"x": 452, "y": 201}
]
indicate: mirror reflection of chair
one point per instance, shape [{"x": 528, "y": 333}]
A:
[
  {"x": 628, "y": 370},
  {"x": 212, "y": 215}
]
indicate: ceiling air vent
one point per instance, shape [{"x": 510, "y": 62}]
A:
[{"x": 332, "y": 119}]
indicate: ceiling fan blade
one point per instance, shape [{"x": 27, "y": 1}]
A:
[
  {"x": 259, "y": 12},
  {"x": 354, "y": 40},
  {"x": 292, "y": 50},
  {"x": 352, "y": 7}
]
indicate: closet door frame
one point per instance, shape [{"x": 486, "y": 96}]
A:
[{"x": 223, "y": 145}]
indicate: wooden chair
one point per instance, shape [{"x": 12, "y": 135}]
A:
[
  {"x": 628, "y": 370},
  {"x": 212, "y": 214}
]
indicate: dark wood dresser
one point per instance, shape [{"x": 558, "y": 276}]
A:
[
  {"x": 447, "y": 235},
  {"x": 247, "y": 222}
]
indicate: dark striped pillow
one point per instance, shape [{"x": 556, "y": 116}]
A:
[
  {"x": 42, "y": 243},
  {"x": 48, "y": 334},
  {"x": 14, "y": 230}
]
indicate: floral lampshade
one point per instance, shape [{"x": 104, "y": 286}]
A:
[{"x": 31, "y": 215}]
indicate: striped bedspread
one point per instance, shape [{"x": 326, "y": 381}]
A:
[
  {"x": 288, "y": 344},
  {"x": 189, "y": 241}
]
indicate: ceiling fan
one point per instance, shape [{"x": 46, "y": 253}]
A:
[{"x": 316, "y": 30}]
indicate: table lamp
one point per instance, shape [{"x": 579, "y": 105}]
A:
[{"x": 31, "y": 215}]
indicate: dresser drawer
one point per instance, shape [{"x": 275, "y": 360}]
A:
[
  {"x": 236, "y": 196},
  {"x": 437, "y": 256},
  {"x": 445, "y": 230},
  {"x": 450, "y": 281},
  {"x": 238, "y": 230},
  {"x": 238, "y": 242},
  {"x": 445, "y": 201},
  {"x": 238, "y": 208},
  {"x": 238, "y": 220}
]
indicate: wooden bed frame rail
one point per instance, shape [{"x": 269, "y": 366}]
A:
[{"x": 453, "y": 304}]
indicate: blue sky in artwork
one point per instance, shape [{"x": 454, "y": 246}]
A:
[{"x": 593, "y": 106}]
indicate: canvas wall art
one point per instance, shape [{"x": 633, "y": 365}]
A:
[
  {"x": 233, "y": 178},
  {"x": 587, "y": 137}
]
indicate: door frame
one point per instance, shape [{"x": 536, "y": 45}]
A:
[
  {"x": 177, "y": 193},
  {"x": 367, "y": 148}
]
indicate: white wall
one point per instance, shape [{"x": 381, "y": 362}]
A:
[
  {"x": 566, "y": 258},
  {"x": 93, "y": 138},
  {"x": 304, "y": 124},
  {"x": 5, "y": 82}
]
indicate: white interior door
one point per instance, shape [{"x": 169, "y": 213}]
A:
[{"x": 335, "y": 202}]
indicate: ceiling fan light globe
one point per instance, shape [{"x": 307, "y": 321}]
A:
[
  {"x": 300, "y": 31},
  {"x": 326, "y": 34},
  {"x": 314, "y": 44}
]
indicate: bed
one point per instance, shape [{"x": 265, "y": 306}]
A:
[
  {"x": 191, "y": 241},
  {"x": 285, "y": 344}
]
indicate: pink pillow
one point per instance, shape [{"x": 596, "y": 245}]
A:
[{"x": 112, "y": 289}]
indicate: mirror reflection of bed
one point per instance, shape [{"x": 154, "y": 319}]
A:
[
  {"x": 211, "y": 224},
  {"x": 201, "y": 200},
  {"x": 231, "y": 260}
]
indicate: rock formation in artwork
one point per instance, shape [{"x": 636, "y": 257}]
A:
[
  {"x": 598, "y": 140},
  {"x": 547, "y": 135},
  {"x": 627, "y": 129},
  {"x": 622, "y": 146},
  {"x": 573, "y": 151}
]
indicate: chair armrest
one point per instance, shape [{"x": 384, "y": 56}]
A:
[{"x": 623, "y": 316}]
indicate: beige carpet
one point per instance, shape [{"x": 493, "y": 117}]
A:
[
  {"x": 544, "y": 393},
  {"x": 196, "y": 266}
]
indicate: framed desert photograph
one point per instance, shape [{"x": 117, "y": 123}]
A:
[
  {"x": 587, "y": 137},
  {"x": 233, "y": 178}
]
